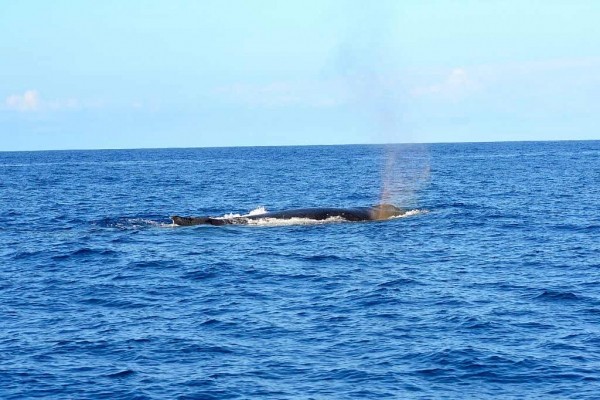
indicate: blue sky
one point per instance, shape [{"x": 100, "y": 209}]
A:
[{"x": 137, "y": 74}]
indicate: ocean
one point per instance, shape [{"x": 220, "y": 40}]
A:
[{"x": 488, "y": 287}]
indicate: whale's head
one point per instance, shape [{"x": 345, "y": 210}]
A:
[{"x": 385, "y": 211}]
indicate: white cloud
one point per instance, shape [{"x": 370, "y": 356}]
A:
[
  {"x": 457, "y": 84},
  {"x": 31, "y": 101},
  {"x": 28, "y": 101}
]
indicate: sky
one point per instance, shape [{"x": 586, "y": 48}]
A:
[{"x": 156, "y": 74}]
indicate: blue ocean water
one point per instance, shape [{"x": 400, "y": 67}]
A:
[{"x": 488, "y": 288}]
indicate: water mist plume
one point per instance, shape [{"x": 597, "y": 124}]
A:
[{"x": 369, "y": 60}]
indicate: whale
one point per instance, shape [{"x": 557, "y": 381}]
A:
[{"x": 375, "y": 213}]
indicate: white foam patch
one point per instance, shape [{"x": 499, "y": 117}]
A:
[
  {"x": 230, "y": 215},
  {"x": 308, "y": 221},
  {"x": 257, "y": 211},
  {"x": 293, "y": 221},
  {"x": 297, "y": 221},
  {"x": 410, "y": 213}
]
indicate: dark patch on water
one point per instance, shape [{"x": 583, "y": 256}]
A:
[
  {"x": 121, "y": 374},
  {"x": 556, "y": 295}
]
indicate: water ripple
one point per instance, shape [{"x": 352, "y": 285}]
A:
[{"x": 492, "y": 293}]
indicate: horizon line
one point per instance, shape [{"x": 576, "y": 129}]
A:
[{"x": 301, "y": 145}]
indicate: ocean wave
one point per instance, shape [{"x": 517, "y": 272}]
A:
[{"x": 557, "y": 295}]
